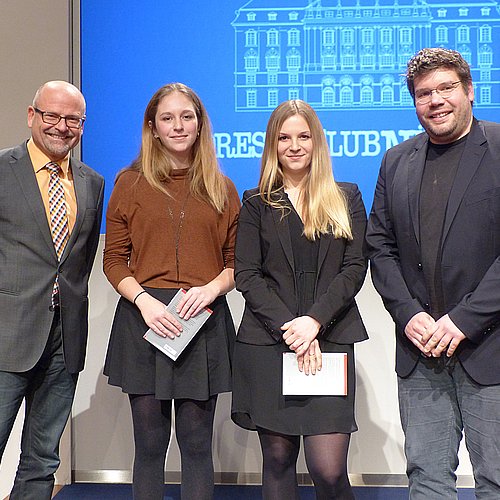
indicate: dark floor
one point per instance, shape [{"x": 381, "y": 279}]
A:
[{"x": 172, "y": 492}]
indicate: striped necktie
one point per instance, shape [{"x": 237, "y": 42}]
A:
[{"x": 58, "y": 219}]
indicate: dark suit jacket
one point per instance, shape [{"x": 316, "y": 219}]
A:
[
  {"x": 470, "y": 264},
  {"x": 264, "y": 273},
  {"x": 28, "y": 264}
]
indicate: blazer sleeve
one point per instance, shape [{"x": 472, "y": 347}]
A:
[
  {"x": 93, "y": 241},
  {"x": 478, "y": 312},
  {"x": 348, "y": 281},
  {"x": 384, "y": 257},
  {"x": 250, "y": 279}
]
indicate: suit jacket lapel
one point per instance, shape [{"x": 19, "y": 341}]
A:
[
  {"x": 416, "y": 163},
  {"x": 25, "y": 174},
  {"x": 80, "y": 185},
  {"x": 324, "y": 245},
  {"x": 283, "y": 232},
  {"x": 471, "y": 158}
]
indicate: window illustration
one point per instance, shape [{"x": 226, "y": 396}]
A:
[
  {"x": 441, "y": 35},
  {"x": 367, "y": 60},
  {"x": 346, "y": 98},
  {"x": 328, "y": 96},
  {"x": 293, "y": 78},
  {"x": 328, "y": 38},
  {"x": 367, "y": 37},
  {"x": 251, "y": 98},
  {"x": 485, "y": 34},
  {"x": 251, "y": 60},
  {"x": 348, "y": 37},
  {"x": 463, "y": 34},
  {"x": 272, "y": 38},
  {"x": 272, "y": 97},
  {"x": 366, "y": 95},
  {"x": 293, "y": 60},
  {"x": 405, "y": 36},
  {"x": 251, "y": 38},
  {"x": 485, "y": 57},
  {"x": 328, "y": 59},
  {"x": 272, "y": 59},
  {"x": 485, "y": 95},
  {"x": 386, "y": 36},
  {"x": 294, "y": 38}
]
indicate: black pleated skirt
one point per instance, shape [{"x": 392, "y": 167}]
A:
[{"x": 202, "y": 370}]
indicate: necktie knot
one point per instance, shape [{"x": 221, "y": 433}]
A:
[{"x": 53, "y": 168}]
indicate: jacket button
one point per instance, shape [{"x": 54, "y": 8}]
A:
[{"x": 420, "y": 267}]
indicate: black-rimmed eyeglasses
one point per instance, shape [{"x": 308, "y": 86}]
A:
[
  {"x": 444, "y": 90},
  {"x": 53, "y": 119}
]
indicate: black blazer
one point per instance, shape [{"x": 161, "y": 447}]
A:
[
  {"x": 470, "y": 264},
  {"x": 28, "y": 264},
  {"x": 264, "y": 273}
]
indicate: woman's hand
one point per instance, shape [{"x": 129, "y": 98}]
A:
[
  {"x": 300, "y": 332},
  {"x": 195, "y": 299},
  {"x": 311, "y": 361},
  {"x": 157, "y": 317}
]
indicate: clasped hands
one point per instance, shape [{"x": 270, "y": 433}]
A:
[
  {"x": 163, "y": 323},
  {"x": 434, "y": 337},
  {"x": 300, "y": 336}
]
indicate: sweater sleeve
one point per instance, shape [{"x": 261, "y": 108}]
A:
[
  {"x": 233, "y": 210},
  {"x": 118, "y": 245}
]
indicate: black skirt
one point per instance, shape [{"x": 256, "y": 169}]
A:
[
  {"x": 202, "y": 370},
  {"x": 258, "y": 400}
]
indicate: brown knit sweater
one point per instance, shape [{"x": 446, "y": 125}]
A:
[{"x": 143, "y": 229}]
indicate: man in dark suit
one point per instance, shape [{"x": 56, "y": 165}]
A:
[
  {"x": 49, "y": 231},
  {"x": 434, "y": 241}
]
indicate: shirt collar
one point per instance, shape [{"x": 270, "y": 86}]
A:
[{"x": 39, "y": 159}]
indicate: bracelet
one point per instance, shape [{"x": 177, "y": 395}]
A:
[{"x": 137, "y": 296}]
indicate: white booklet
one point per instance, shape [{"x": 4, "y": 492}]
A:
[
  {"x": 173, "y": 347},
  {"x": 331, "y": 380}
]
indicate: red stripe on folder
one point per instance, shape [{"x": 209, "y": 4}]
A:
[{"x": 345, "y": 375}]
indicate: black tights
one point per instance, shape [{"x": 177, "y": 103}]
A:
[
  {"x": 152, "y": 420},
  {"x": 326, "y": 459}
]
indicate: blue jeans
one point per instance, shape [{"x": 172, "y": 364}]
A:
[
  {"x": 437, "y": 402},
  {"x": 48, "y": 389}
]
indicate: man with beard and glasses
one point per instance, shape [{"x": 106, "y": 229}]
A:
[{"x": 434, "y": 244}]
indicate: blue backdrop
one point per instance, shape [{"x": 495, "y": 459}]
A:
[{"x": 345, "y": 58}]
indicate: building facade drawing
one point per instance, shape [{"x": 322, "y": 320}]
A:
[{"x": 352, "y": 54}]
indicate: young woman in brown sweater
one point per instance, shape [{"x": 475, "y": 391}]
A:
[{"x": 171, "y": 224}]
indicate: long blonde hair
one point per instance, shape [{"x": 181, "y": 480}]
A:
[
  {"x": 323, "y": 204},
  {"x": 155, "y": 162}
]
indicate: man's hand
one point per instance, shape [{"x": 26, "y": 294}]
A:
[
  {"x": 417, "y": 327},
  {"x": 443, "y": 335}
]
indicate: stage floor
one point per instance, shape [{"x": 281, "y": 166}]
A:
[{"x": 227, "y": 492}]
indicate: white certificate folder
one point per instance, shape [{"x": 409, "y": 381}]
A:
[
  {"x": 174, "y": 347},
  {"x": 331, "y": 380}
]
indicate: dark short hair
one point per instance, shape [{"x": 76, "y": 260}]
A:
[{"x": 430, "y": 59}]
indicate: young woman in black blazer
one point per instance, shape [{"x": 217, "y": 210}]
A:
[{"x": 299, "y": 264}]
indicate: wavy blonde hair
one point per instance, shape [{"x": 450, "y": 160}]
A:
[
  {"x": 323, "y": 204},
  {"x": 155, "y": 162}
]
